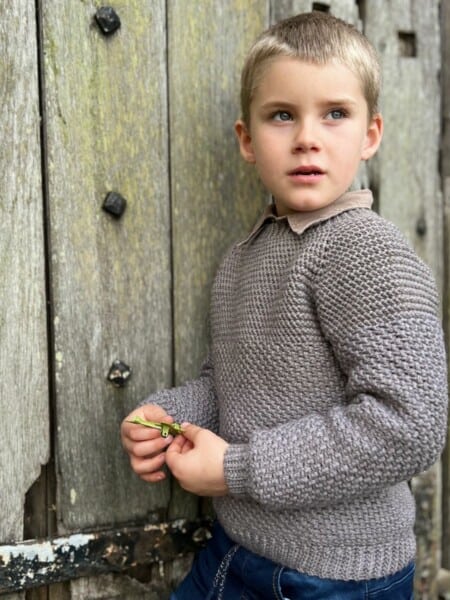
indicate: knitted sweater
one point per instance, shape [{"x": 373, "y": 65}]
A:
[{"x": 327, "y": 376}]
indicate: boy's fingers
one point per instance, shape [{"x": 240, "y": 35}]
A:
[
  {"x": 175, "y": 454},
  {"x": 176, "y": 446},
  {"x": 150, "y": 447},
  {"x": 138, "y": 433},
  {"x": 154, "y": 477},
  {"x": 188, "y": 445},
  {"x": 148, "y": 465}
]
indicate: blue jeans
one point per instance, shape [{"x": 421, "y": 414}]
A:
[{"x": 226, "y": 571}]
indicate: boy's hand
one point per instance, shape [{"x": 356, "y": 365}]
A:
[
  {"x": 145, "y": 446},
  {"x": 196, "y": 460}
]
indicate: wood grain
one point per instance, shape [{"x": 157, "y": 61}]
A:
[
  {"x": 107, "y": 130},
  {"x": 24, "y": 420},
  {"x": 445, "y": 172}
]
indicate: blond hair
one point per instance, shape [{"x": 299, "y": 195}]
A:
[{"x": 318, "y": 38}]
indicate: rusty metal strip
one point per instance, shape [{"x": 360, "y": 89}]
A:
[{"x": 43, "y": 562}]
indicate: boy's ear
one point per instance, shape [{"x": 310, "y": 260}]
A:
[
  {"x": 373, "y": 137},
  {"x": 245, "y": 141}
]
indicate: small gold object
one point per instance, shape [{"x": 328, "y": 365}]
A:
[{"x": 165, "y": 428}]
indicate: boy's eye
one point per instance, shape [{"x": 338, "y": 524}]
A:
[
  {"x": 336, "y": 114},
  {"x": 282, "y": 115}
]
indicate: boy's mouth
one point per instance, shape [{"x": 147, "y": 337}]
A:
[{"x": 307, "y": 170}]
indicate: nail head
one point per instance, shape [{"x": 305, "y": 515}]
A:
[
  {"x": 421, "y": 227},
  {"x": 119, "y": 373},
  {"x": 114, "y": 204},
  {"x": 107, "y": 20}
]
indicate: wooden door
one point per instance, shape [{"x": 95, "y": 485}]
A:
[{"x": 146, "y": 112}]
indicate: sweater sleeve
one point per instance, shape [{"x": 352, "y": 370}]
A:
[
  {"x": 377, "y": 307},
  {"x": 194, "y": 401}
]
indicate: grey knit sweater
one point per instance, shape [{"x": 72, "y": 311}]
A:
[{"x": 327, "y": 376}]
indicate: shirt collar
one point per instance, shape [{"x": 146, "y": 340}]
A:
[{"x": 300, "y": 221}]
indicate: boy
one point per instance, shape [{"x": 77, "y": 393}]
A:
[{"x": 325, "y": 387}]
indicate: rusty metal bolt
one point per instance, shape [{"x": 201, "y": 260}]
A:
[
  {"x": 114, "y": 204},
  {"x": 119, "y": 373},
  {"x": 107, "y": 20}
]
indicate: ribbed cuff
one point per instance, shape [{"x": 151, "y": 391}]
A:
[{"x": 236, "y": 469}]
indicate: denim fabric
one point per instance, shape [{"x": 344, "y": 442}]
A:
[{"x": 226, "y": 571}]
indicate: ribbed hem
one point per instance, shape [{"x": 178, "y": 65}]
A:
[
  {"x": 361, "y": 547},
  {"x": 332, "y": 562},
  {"x": 236, "y": 469},
  {"x": 356, "y": 563}
]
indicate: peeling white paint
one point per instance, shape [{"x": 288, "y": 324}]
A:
[
  {"x": 77, "y": 540},
  {"x": 73, "y": 496},
  {"x": 44, "y": 552}
]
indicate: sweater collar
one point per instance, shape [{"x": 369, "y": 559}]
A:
[{"x": 300, "y": 221}]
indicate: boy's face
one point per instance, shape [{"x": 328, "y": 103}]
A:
[{"x": 309, "y": 130}]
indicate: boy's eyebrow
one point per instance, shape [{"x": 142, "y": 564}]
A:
[
  {"x": 338, "y": 101},
  {"x": 345, "y": 100}
]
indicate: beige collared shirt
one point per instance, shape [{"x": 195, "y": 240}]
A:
[{"x": 300, "y": 221}]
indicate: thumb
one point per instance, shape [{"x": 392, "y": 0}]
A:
[{"x": 190, "y": 432}]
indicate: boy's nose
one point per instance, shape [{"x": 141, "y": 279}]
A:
[{"x": 305, "y": 138}]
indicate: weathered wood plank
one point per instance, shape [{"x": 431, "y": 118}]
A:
[
  {"x": 109, "y": 587},
  {"x": 344, "y": 9},
  {"x": 106, "y": 109},
  {"x": 24, "y": 420},
  {"x": 155, "y": 584},
  {"x": 445, "y": 80},
  {"x": 445, "y": 546},
  {"x": 215, "y": 197},
  {"x": 406, "y": 179},
  {"x": 445, "y": 172},
  {"x": 409, "y": 188}
]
